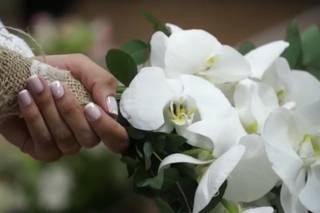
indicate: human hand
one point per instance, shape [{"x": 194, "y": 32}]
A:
[{"x": 55, "y": 124}]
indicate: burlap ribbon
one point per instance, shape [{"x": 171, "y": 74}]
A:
[{"x": 15, "y": 70}]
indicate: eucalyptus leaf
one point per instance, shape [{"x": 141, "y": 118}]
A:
[
  {"x": 138, "y": 50},
  {"x": 163, "y": 206},
  {"x": 121, "y": 65},
  {"x": 153, "y": 182},
  {"x": 294, "y": 52},
  {"x": 157, "y": 25},
  {"x": 311, "y": 47}
]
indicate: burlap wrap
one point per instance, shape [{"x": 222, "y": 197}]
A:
[{"x": 15, "y": 71}]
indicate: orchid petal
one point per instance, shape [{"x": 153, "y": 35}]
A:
[
  {"x": 309, "y": 195},
  {"x": 282, "y": 136},
  {"x": 195, "y": 139},
  {"x": 158, "y": 45},
  {"x": 173, "y": 28},
  {"x": 260, "y": 210},
  {"x": 210, "y": 101},
  {"x": 262, "y": 57},
  {"x": 182, "y": 56},
  {"x": 290, "y": 203},
  {"x": 248, "y": 182},
  {"x": 215, "y": 176},
  {"x": 141, "y": 104},
  {"x": 303, "y": 88},
  {"x": 254, "y": 102},
  {"x": 180, "y": 158},
  {"x": 309, "y": 116},
  {"x": 230, "y": 66},
  {"x": 224, "y": 132}
]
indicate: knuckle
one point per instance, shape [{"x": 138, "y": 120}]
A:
[
  {"x": 112, "y": 82},
  {"x": 88, "y": 139},
  {"x": 80, "y": 57}
]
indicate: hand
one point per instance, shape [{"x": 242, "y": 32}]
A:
[{"x": 54, "y": 124}]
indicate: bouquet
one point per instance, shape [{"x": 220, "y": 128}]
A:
[
  {"x": 212, "y": 128},
  {"x": 215, "y": 129}
]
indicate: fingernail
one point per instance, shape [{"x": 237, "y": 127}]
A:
[
  {"x": 56, "y": 89},
  {"x": 35, "y": 84},
  {"x": 92, "y": 112},
  {"x": 24, "y": 98},
  {"x": 112, "y": 105}
]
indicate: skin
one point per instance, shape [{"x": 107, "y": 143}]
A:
[{"x": 51, "y": 128}]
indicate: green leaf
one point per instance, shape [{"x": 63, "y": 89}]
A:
[
  {"x": 157, "y": 25},
  {"x": 136, "y": 133},
  {"x": 153, "y": 182},
  {"x": 216, "y": 199},
  {"x": 294, "y": 52},
  {"x": 163, "y": 206},
  {"x": 121, "y": 65},
  {"x": 147, "y": 152},
  {"x": 311, "y": 47},
  {"x": 230, "y": 206},
  {"x": 138, "y": 50},
  {"x": 246, "y": 47}
]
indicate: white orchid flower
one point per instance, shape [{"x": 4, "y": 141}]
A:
[
  {"x": 220, "y": 208},
  {"x": 254, "y": 102},
  {"x": 253, "y": 177},
  {"x": 289, "y": 84},
  {"x": 293, "y": 147},
  {"x": 216, "y": 174},
  {"x": 153, "y": 102},
  {"x": 261, "y": 58},
  {"x": 199, "y": 53}
]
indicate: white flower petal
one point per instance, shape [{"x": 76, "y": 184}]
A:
[
  {"x": 215, "y": 176},
  {"x": 173, "y": 28},
  {"x": 223, "y": 132},
  {"x": 180, "y": 158},
  {"x": 195, "y": 139},
  {"x": 309, "y": 116},
  {"x": 253, "y": 177},
  {"x": 290, "y": 203},
  {"x": 210, "y": 101},
  {"x": 142, "y": 104},
  {"x": 259, "y": 210},
  {"x": 303, "y": 88},
  {"x": 309, "y": 195},
  {"x": 187, "y": 50},
  {"x": 262, "y": 57},
  {"x": 230, "y": 66},
  {"x": 158, "y": 45},
  {"x": 282, "y": 137},
  {"x": 254, "y": 102}
]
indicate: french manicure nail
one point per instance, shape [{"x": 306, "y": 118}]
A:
[
  {"x": 35, "y": 84},
  {"x": 24, "y": 98},
  {"x": 57, "y": 89},
  {"x": 92, "y": 112},
  {"x": 112, "y": 105}
]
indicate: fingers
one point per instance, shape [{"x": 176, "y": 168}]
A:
[
  {"x": 72, "y": 113},
  {"x": 112, "y": 133},
  {"x": 60, "y": 132},
  {"x": 44, "y": 147},
  {"x": 97, "y": 80}
]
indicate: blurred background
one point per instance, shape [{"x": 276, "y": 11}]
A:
[{"x": 96, "y": 180}]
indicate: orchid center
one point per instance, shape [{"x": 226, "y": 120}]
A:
[
  {"x": 182, "y": 111},
  {"x": 207, "y": 65},
  {"x": 309, "y": 149}
]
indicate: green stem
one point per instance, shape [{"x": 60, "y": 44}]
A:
[{"x": 184, "y": 197}]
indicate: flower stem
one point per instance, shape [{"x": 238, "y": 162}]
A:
[{"x": 184, "y": 196}]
